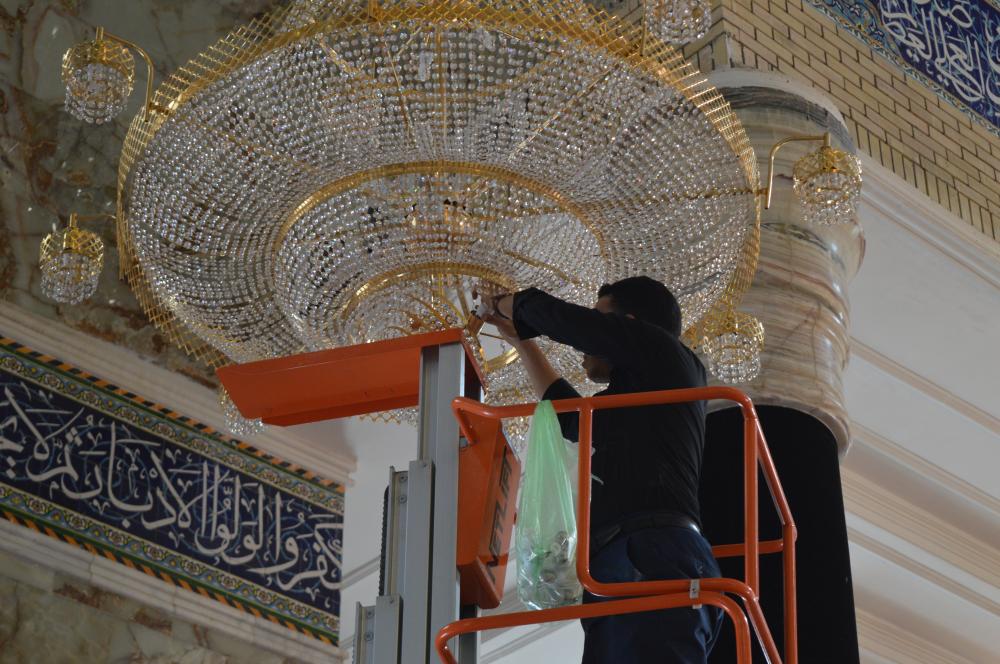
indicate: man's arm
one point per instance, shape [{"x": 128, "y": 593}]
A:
[
  {"x": 537, "y": 365},
  {"x": 548, "y": 384},
  {"x": 539, "y": 369},
  {"x": 618, "y": 338}
]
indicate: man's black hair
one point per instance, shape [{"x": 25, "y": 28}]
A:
[{"x": 646, "y": 299}]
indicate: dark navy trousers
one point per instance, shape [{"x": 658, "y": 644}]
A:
[{"x": 671, "y": 636}]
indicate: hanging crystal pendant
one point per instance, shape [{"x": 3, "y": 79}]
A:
[
  {"x": 236, "y": 423},
  {"x": 828, "y": 185},
  {"x": 678, "y": 21},
  {"x": 424, "y": 66},
  {"x": 734, "y": 352},
  {"x": 98, "y": 76},
  {"x": 486, "y": 38},
  {"x": 71, "y": 260}
]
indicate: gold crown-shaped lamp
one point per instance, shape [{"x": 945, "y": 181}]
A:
[
  {"x": 71, "y": 260},
  {"x": 99, "y": 75},
  {"x": 827, "y": 182},
  {"x": 733, "y": 351},
  {"x": 677, "y": 21}
]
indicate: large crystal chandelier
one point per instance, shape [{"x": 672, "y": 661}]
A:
[{"x": 343, "y": 172}]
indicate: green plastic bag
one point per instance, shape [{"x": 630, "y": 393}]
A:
[{"x": 545, "y": 535}]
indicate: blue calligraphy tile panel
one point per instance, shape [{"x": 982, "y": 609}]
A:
[
  {"x": 952, "y": 45},
  {"x": 165, "y": 492}
]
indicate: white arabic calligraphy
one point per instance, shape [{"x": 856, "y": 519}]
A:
[{"x": 944, "y": 40}]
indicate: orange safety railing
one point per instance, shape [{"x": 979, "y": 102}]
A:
[{"x": 654, "y": 595}]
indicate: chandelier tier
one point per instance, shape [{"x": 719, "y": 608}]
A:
[{"x": 343, "y": 172}]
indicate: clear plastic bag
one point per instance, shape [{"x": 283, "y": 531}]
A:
[{"x": 545, "y": 534}]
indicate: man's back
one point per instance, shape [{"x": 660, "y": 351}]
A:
[{"x": 646, "y": 459}]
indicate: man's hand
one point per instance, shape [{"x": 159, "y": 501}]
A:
[{"x": 505, "y": 327}]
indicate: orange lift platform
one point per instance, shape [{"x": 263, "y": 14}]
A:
[{"x": 458, "y": 496}]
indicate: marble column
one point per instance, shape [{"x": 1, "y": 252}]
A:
[
  {"x": 800, "y": 290},
  {"x": 800, "y": 295}
]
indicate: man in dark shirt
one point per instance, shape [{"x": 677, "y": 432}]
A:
[{"x": 646, "y": 463}]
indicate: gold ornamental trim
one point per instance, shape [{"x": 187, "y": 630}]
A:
[{"x": 436, "y": 167}]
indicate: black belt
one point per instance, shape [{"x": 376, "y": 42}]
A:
[{"x": 603, "y": 537}]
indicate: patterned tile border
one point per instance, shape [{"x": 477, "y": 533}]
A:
[{"x": 23, "y": 498}]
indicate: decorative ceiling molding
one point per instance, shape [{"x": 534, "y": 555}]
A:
[
  {"x": 865, "y": 437},
  {"x": 928, "y": 387},
  {"x": 899, "y": 645},
  {"x": 40, "y": 549},
  {"x": 933, "y": 576},
  {"x": 880, "y": 507},
  {"x": 127, "y": 370},
  {"x": 894, "y": 198},
  {"x": 360, "y": 572}
]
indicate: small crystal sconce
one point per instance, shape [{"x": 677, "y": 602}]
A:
[
  {"x": 733, "y": 353},
  {"x": 99, "y": 75},
  {"x": 71, "y": 260},
  {"x": 827, "y": 182},
  {"x": 677, "y": 22}
]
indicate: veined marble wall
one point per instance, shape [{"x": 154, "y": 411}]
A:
[
  {"x": 52, "y": 164},
  {"x": 47, "y": 617}
]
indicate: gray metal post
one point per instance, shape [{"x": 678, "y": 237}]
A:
[
  {"x": 414, "y": 584},
  {"x": 364, "y": 635},
  {"x": 421, "y": 579},
  {"x": 442, "y": 378},
  {"x": 395, "y": 533},
  {"x": 387, "y": 618},
  {"x": 468, "y": 644}
]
